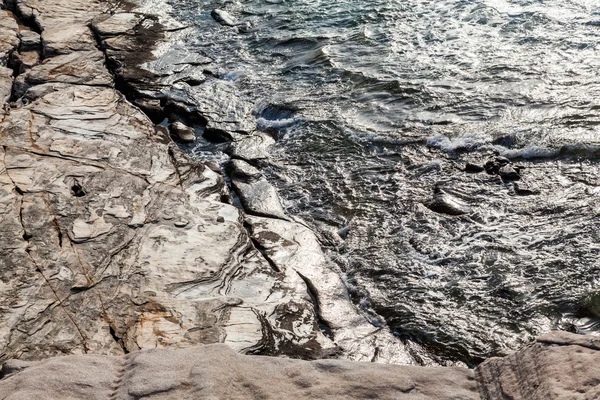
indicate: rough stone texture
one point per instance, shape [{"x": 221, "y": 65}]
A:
[
  {"x": 64, "y": 23},
  {"x": 173, "y": 76},
  {"x": 218, "y": 102},
  {"x": 6, "y": 83},
  {"x": 81, "y": 68},
  {"x": 113, "y": 240},
  {"x": 8, "y": 35},
  {"x": 23, "y": 61},
  {"x": 294, "y": 250},
  {"x": 559, "y": 365},
  {"x": 216, "y": 372},
  {"x": 30, "y": 40},
  {"x": 252, "y": 148},
  {"x": 182, "y": 132},
  {"x": 258, "y": 196}
]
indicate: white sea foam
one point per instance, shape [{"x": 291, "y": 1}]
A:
[
  {"x": 527, "y": 151},
  {"x": 264, "y": 123},
  {"x": 464, "y": 142}
]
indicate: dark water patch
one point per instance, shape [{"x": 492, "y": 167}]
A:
[{"x": 375, "y": 104}]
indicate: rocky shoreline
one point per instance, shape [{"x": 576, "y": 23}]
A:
[
  {"x": 116, "y": 242},
  {"x": 124, "y": 239}
]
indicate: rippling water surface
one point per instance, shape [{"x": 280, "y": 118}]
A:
[{"x": 377, "y": 103}]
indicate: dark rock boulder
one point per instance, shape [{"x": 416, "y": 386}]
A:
[
  {"x": 474, "y": 168},
  {"x": 182, "y": 132},
  {"x": 445, "y": 203}
]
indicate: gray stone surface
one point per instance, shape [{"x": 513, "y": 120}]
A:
[
  {"x": 182, "y": 132},
  {"x": 6, "y": 83},
  {"x": 30, "y": 40},
  {"x": 253, "y": 148},
  {"x": 216, "y": 372},
  {"x": 223, "y": 17},
  {"x": 218, "y": 102},
  {"x": 258, "y": 196},
  {"x": 8, "y": 35},
  {"x": 183, "y": 81},
  {"x": 559, "y": 365}
]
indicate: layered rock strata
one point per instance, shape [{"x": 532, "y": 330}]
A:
[
  {"x": 115, "y": 240},
  {"x": 559, "y": 365}
]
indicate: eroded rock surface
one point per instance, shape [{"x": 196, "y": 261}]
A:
[
  {"x": 113, "y": 239},
  {"x": 216, "y": 372},
  {"x": 258, "y": 196},
  {"x": 559, "y": 365},
  {"x": 9, "y": 30},
  {"x": 172, "y": 77}
]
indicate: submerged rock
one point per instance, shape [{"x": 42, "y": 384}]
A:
[
  {"x": 508, "y": 174},
  {"x": 223, "y": 17},
  {"x": 523, "y": 189},
  {"x": 445, "y": 203},
  {"x": 474, "y": 168},
  {"x": 493, "y": 167},
  {"x": 182, "y": 132},
  {"x": 503, "y": 167}
]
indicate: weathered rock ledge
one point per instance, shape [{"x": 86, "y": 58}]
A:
[{"x": 559, "y": 366}]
